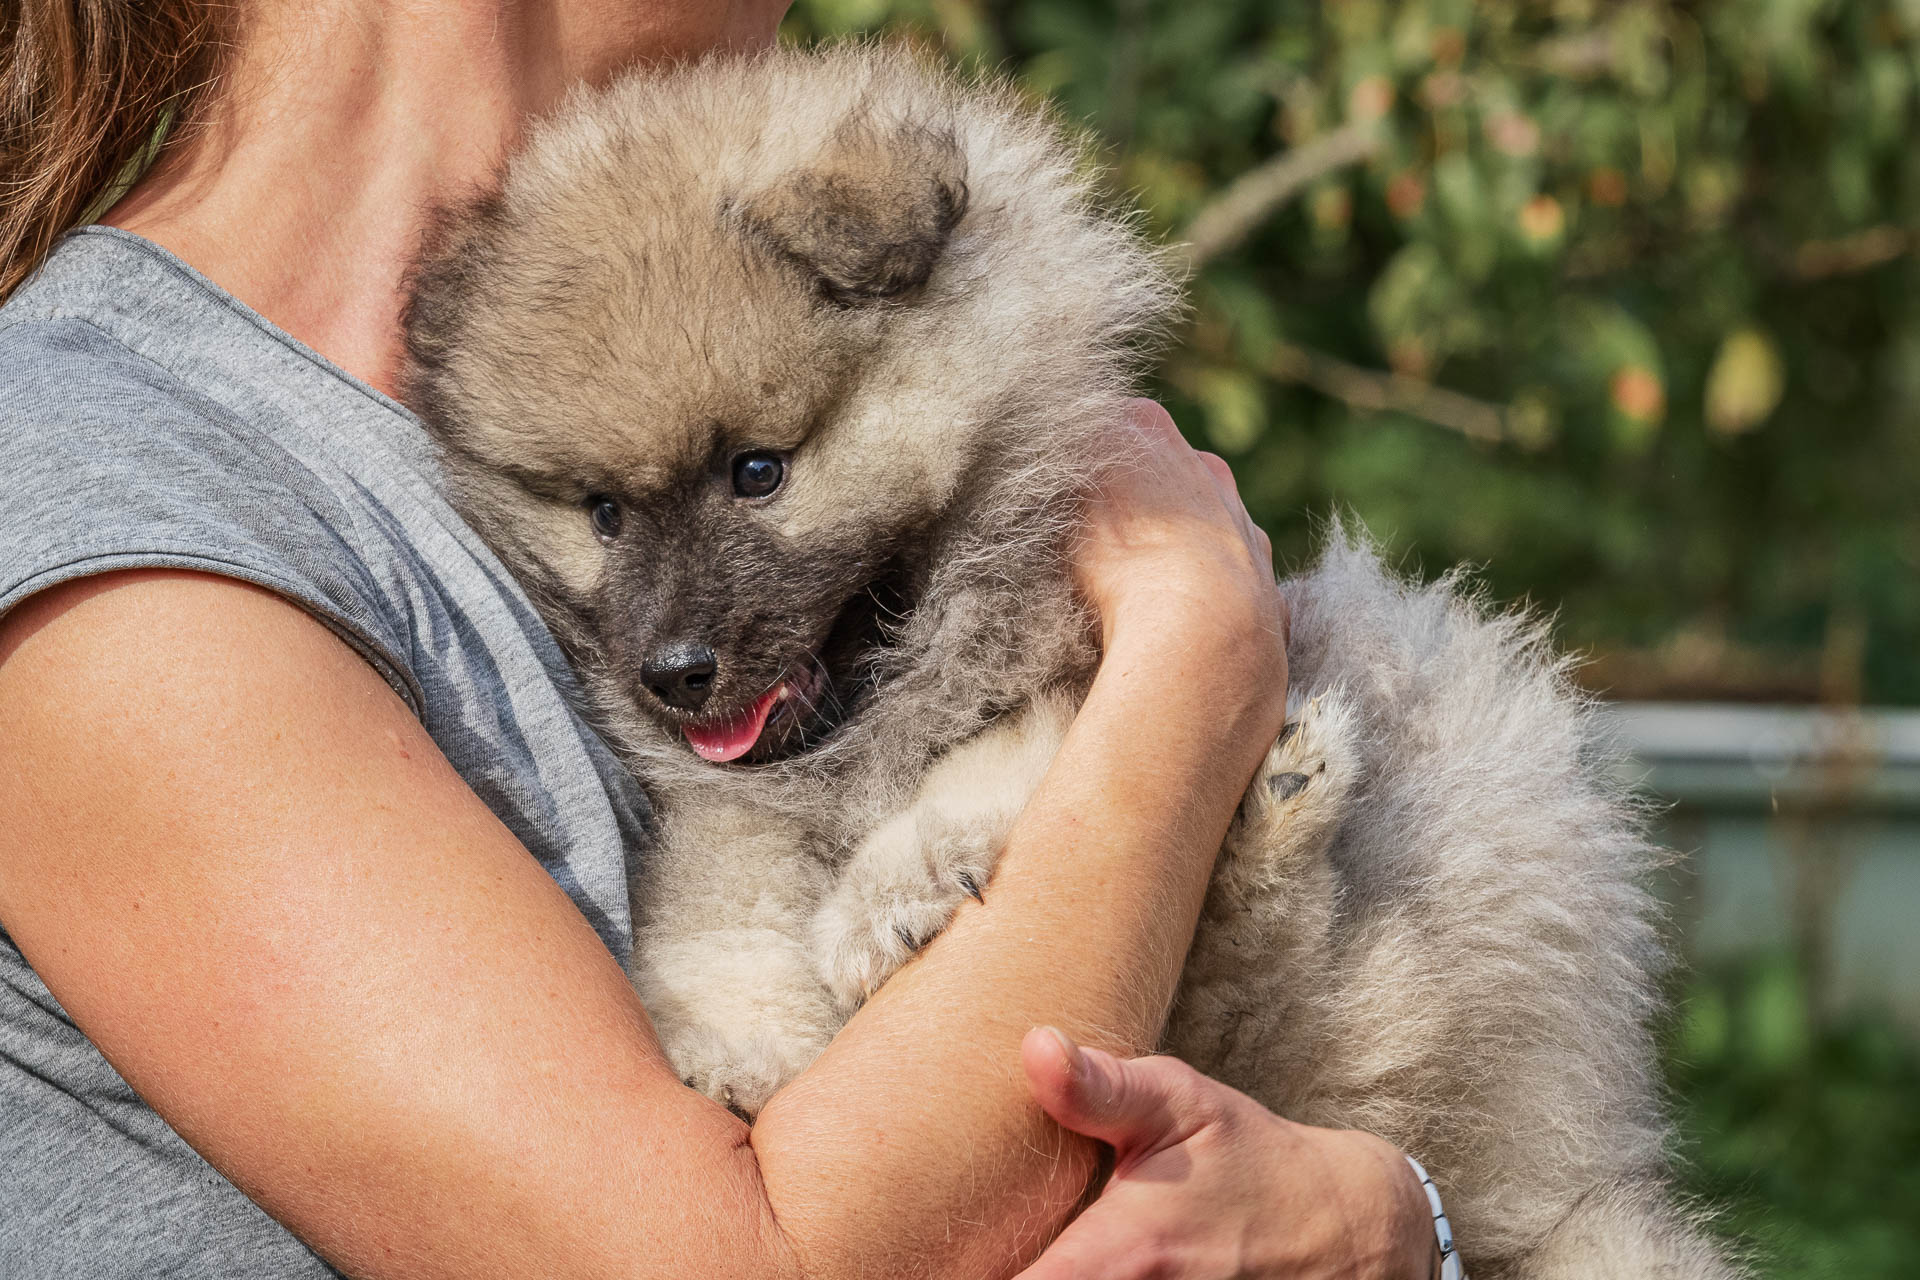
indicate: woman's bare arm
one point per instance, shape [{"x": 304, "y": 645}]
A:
[
  {"x": 254, "y": 881},
  {"x": 250, "y": 876}
]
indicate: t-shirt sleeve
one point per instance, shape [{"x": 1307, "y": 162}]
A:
[{"x": 108, "y": 463}]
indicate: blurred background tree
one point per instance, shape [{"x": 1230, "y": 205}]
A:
[{"x": 1617, "y": 301}]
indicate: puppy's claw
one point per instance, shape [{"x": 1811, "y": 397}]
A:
[
  {"x": 1285, "y": 786},
  {"x": 1297, "y": 802},
  {"x": 900, "y": 889}
]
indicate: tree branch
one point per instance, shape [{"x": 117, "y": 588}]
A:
[
  {"x": 1226, "y": 220},
  {"x": 1861, "y": 251},
  {"x": 1374, "y": 391}
]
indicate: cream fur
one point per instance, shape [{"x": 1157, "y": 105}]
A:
[{"x": 1429, "y": 919}]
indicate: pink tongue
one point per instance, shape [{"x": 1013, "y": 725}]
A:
[{"x": 733, "y": 737}]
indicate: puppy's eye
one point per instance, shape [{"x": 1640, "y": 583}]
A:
[
  {"x": 755, "y": 475},
  {"x": 605, "y": 514}
]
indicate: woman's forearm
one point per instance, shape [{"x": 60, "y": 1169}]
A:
[{"x": 912, "y": 1147}]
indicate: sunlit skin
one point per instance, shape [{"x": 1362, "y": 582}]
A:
[
  {"x": 253, "y": 880},
  {"x": 342, "y": 124}
]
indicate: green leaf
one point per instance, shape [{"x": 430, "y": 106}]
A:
[{"x": 1745, "y": 383}]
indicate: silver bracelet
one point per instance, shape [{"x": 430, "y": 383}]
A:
[{"x": 1450, "y": 1267}]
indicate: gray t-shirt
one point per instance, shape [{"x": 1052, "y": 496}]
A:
[{"x": 149, "y": 419}]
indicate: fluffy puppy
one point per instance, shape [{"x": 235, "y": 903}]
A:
[{"x": 778, "y": 383}]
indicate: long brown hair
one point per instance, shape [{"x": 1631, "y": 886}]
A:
[{"x": 86, "y": 89}]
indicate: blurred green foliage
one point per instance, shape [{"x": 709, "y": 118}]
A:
[
  {"x": 1807, "y": 1139},
  {"x": 1621, "y": 306}
]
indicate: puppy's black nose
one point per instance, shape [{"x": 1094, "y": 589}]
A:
[{"x": 681, "y": 675}]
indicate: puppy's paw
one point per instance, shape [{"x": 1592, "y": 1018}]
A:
[
  {"x": 1298, "y": 796},
  {"x": 899, "y": 889},
  {"x": 739, "y": 1012},
  {"x": 739, "y": 1068}
]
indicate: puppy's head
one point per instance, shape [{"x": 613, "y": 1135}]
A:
[{"x": 728, "y": 349}]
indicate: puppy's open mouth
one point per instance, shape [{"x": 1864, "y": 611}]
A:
[
  {"x": 732, "y": 736},
  {"x": 820, "y": 693}
]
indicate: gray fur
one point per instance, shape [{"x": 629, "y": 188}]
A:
[{"x": 1428, "y": 920}]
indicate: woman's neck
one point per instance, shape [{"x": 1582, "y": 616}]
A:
[{"x": 340, "y": 127}]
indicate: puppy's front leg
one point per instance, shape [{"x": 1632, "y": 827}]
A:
[
  {"x": 909, "y": 875},
  {"x": 722, "y": 958}
]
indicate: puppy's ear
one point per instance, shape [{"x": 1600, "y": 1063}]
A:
[
  {"x": 870, "y": 216},
  {"x": 451, "y": 265}
]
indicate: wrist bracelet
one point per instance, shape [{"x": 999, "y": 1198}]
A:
[{"x": 1450, "y": 1268}]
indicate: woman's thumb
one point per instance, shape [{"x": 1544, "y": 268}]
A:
[{"x": 1135, "y": 1105}]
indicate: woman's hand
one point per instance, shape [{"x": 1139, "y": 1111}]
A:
[
  {"x": 1182, "y": 581},
  {"x": 1209, "y": 1184},
  {"x": 1168, "y": 543}
]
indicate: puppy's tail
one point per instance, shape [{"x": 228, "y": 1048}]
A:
[{"x": 1627, "y": 1230}]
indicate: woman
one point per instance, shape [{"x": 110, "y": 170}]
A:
[{"x": 304, "y": 841}]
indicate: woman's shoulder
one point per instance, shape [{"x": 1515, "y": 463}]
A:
[
  {"x": 121, "y": 365},
  {"x": 148, "y": 419},
  {"x": 111, "y": 461},
  {"x": 74, "y": 394}
]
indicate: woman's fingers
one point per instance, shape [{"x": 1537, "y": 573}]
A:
[
  {"x": 1208, "y": 1184},
  {"x": 1137, "y": 1106}
]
